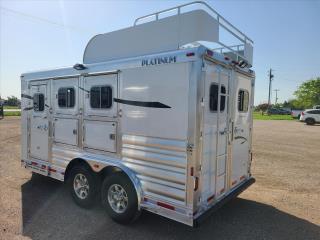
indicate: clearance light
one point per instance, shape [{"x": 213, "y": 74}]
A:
[
  {"x": 209, "y": 53},
  {"x": 79, "y": 66},
  {"x": 210, "y": 198},
  {"x": 190, "y": 54}
]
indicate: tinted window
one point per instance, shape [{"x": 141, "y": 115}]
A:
[
  {"x": 223, "y": 99},
  {"x": 243, "y": 101},
  {"x": 66, "y": 97},
  {"x": 38, "y": 102},
  {"x": 314, "y": 112},
  {"x": 101, "y": 97},
  {"x": 213, "y": 103}
]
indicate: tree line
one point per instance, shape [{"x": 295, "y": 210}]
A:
[{"x": 306, "y": 96}]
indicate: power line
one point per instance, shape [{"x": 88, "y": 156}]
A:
[{"x": 22, "y": 14}]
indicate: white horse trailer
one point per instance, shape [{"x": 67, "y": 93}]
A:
[{"x": 151, "y": 120}]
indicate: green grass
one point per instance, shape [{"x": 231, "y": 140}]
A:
[
  {"x": 10, "y": 107},
  {"x": 258, "y": 116},
  {"x": 10, "y": 114}
]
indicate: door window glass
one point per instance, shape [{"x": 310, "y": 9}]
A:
[
  {"x": 66, "y": 97},
  {"x": 38, "y": 102},
  {"x": 101, "y": 97},
  {"x": 213, "y": 102},
  {"x": 223, "y": 99},
  {"x": 243, "y": 100}
]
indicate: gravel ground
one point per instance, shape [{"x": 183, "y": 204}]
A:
[{"x": 282, "y": 204}]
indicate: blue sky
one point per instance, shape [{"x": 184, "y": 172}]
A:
[{"x": 47, "y": 34}]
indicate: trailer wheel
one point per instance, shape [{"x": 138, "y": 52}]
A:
[
  {"x": 83, "y": 186},
  {"x": 119, "y": 198}
]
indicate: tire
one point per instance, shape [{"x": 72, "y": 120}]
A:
[
  {"x": 310, "y": 121},
  {"x": 86, "y": 195},
  {"x": 128, "y": 210}
]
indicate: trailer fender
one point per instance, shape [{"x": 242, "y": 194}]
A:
[
  {"x": 132, "y": 176},
  {"x": 98, "y": 166}
]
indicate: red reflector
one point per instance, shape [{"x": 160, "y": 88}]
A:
[
  {"x": 145, "y": 199},
  {"x": 302, "y": 113},
  {"x": 226, "y": 58},
  {"x": 210, "y": 198},
  {"x": 210, "y": 53},
  {"x": 235, "y": 62},
  {"x": 191, "y": 171},
  {"x": 234, "y": 182},
  {"x": 52, "y": 170},
  {"x": 190, "y": 54},
  {"x": 34, "y": 163},
  {"x": 165, "y": 205},
  {"x": 96, "y": 165},
  {"x": 242, "y": 177},
  {"x": 43, "y": 166}
]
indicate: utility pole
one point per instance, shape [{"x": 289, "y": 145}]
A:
[
  {"x": 270, "y": 80},
  {"x": 276, "y": 90}
]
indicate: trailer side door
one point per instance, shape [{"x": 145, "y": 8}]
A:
[{"x": 39, "y": 123}]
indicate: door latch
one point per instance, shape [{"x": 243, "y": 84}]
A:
[
  {"x": 112, "y": 136},
  {"x": 74, "y": 131}
]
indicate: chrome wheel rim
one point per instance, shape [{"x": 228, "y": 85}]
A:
[
  {"x": 117, "y": 198},
  {"x": 81, "y": 186}
]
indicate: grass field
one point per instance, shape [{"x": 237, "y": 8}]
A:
[
  {"x": 9, "y": 114},
  {"x": 10, "y": 107},
  {"x": 258, "y": 116}
]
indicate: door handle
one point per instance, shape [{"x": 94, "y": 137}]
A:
[
  {"x": 112, "y": 136},
  {"x": 223, "y": 132},
  {"x": 74, "y": 131}
]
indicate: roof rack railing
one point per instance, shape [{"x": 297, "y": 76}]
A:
[{"x": 221, "y": 20}]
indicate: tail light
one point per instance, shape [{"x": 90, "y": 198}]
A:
[{"x": 302, "y": 113}]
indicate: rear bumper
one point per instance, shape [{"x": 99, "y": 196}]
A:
[{"x": 197, "y": 222}]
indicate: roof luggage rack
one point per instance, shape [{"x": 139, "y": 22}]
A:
[{"x": 155, "y": 32}]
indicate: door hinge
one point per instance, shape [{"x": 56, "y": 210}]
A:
[{"x": 190, "y": 147}]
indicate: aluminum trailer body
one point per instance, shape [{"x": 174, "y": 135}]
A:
[{"x": 177, "y": 123}]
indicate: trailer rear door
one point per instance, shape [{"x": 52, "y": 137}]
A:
[
  {"x": 242, "y": 131},
  {"x": 215, "y": 132}
]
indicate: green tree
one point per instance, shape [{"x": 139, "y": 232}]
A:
[
  {"x": 12, "y": 101},
  {"x": 308, "y": 93}
]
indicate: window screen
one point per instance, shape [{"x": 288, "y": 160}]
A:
[
  {"x": 38, "y": 102},
  {"x": 243, "y": 101},
  {"x": 66, "y": 97},
  {"x": 101, "y": 97},
  {"x": 213, "y": 103}
]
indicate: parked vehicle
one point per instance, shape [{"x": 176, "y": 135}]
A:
[
  {"x": 149, "y": 121},
  {"x": 316, "y": 107},
  {"x": 1, "y": 110},
  {"x": 296, "y": 113},
  {"x": 310, "y": 116},
  {"x": 279, "y": 111}
]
